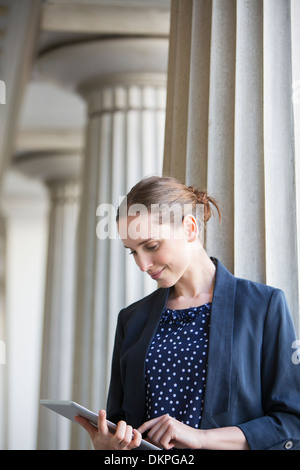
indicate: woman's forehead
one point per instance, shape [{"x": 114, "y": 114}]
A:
[
  {"x": 144, "y": 227},
  {"x": 138, "y": 227}
]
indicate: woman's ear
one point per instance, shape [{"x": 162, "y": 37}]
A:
[{"x": 190, "y": 228}]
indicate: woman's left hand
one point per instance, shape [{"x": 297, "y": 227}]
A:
[{"x": 167, "y": 432}]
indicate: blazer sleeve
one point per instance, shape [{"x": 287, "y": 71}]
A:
[
  {"x": 115, "y": 393},
  {"x": 279, "y": 428}
]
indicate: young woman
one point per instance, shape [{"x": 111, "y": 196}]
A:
[{"x": 205, "y": 361}]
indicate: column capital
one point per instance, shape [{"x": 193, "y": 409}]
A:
[
  {"x": 97, "y": 63},
  {"x": 50, "y": 166}
]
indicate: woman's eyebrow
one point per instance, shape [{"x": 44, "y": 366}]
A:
[{"x": 141, "y": 243}]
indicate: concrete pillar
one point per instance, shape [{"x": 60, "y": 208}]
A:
[
  {"x": 230, "y": 72},
  {"x": 59, "y": 323},
  {"x": 61, "y": 174},
  {"x": 3, "y": 369},
  {"x": 123, "y": 82},
  {"x": 24, "y": 206}
]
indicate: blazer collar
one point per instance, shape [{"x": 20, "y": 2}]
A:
[{"x": 218, "y": 380}]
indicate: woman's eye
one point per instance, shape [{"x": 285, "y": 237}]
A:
[
  {"x": 153, "y": 247},
  {"x": 149, "y": 248}
]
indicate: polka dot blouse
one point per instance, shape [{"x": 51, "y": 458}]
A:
[{"x": 176, "y": 364}]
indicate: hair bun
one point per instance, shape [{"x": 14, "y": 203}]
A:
[
  {"x": 200, "y": 195},
  {"x": 203, "y": 198}
]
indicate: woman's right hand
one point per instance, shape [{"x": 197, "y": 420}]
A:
[{"x": 124, "y": 438}]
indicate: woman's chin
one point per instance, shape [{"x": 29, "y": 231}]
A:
[{"x": 165, "y": 283}]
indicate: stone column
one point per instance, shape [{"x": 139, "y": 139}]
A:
[
  {"x": 59, "y": 322},
  {"x": 295, "y": 20},
  {"x": 230, "y": 72},
  {"x": 25, "y": 207},
  {"x": 61, "y": 174},
  {"x": 3, "y": 369},
  {"x": 2, "y": 290},
  {"x": 282, "y": 233},
  {"x": 123, "y": 82},
  {"x": 199, "y": 141}
]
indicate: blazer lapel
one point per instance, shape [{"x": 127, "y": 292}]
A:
[{"x": 217, "y": 390}]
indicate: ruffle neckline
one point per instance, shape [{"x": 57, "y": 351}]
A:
[{"x": 184, "y": 316}]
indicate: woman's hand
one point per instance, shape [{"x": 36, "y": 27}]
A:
[
  {"x": 124, "y": 438},
  {"x": 167, "y": 432}
]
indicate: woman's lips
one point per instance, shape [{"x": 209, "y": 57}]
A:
[{"x": 156, "y": 274}]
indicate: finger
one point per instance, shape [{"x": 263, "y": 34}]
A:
[
  {"x": 153, "y": 423},
  {"x": 102, "y": 424},
  {"x": 120, "y": 431},
  {"x": 90, "y": 428},
  {"x": 148, "y": 425},
  {"x": 164, "y": 436},
  {"x": 162, "y": 432},
  {"x": 136, "y": 440},
  {"x": 157, "y": 431},
  {"x": 127, "y": 437}
]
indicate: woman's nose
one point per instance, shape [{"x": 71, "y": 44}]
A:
[{"x": 144, "y": 263}]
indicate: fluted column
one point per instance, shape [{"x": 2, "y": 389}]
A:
[
  {"x": 60, "y": 171},
  {"x": 3, "y": 369},
  {"x": 125, "y": 142},
  {"x": 2, "y": 290},
  {"x": 282, "y": 237},
  {"x": 59, "y": 322},
  {"x": 295, "y": 38},
  {"x": 237, "y": 135},
  {"x": 24, "y": 206},
  {"x": 123, "y": 81}
]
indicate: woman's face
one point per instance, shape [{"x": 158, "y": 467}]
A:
[{"x": 163, "y": 252}]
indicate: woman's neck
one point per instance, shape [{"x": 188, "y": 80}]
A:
[{"x": 196, "y": 286}]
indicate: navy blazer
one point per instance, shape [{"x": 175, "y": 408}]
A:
[{"x": 251, "y": 381}]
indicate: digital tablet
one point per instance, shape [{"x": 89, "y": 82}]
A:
[{"x": 70, "y": 409}]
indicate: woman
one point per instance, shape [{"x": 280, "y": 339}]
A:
[{"x": 204, "y": 362}]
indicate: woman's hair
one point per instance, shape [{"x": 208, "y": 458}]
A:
[{"x": 169, "y": 194}]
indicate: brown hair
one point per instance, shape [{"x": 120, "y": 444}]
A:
[{"x": 168, "y": 192}]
